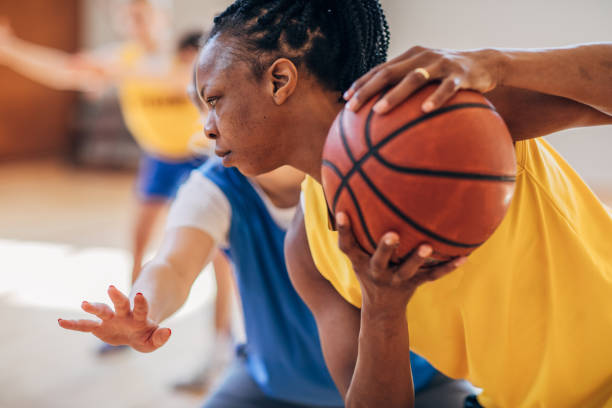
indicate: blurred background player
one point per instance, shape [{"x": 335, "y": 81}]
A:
[{"x": 151, "y": 79}]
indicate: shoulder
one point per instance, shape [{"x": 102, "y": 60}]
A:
[
  {"x": 200, "y": 193},
  {"x": 203, "y": 205}
]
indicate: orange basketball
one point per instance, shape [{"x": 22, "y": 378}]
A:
[{"x": 446, "y": 177}]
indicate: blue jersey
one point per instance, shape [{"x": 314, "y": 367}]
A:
[{"x": 283, "y": 350}]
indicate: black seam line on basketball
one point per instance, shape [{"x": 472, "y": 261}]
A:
[
  {"x": 409, "y": 220},
  {"x": 333, "y": 167},
  {"x": 385, "y": 200},
  {"x": 343, "y": 179},
  {"x": 427, "y": 172},
  {"x": 388, "y": 202},
  {"x": 418, "y": 120},
  {"x": 350, "y": 190},
  {"x": 361, "y": 219},
  {"x": 344, "y": 141},
  {"x": 444, "y": 174},
  {"x": 355, "y": 203},
  {"x": 372, "y": 149}
]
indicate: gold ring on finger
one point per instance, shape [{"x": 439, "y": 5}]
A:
[{"x": 423, "y": 72}]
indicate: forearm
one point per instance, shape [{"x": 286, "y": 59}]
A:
[
  {"x": 50, "y": 67},
  {"x": 580, "y": 73},
  {"x": 382, "y": 375},
  {"x": 530, "y": 114},
  {"x": 163, "y": 287}
]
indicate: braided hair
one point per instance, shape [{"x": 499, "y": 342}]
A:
[{"x": 336, "y": 40}]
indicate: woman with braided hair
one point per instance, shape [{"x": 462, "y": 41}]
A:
[{"x": 527, "y": 311}]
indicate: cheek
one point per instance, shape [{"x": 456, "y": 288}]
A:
[{"x": 250, "y": 123}]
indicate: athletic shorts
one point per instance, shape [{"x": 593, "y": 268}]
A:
[
  {"x": 160, "y": 179},
  {"x": 239, "y": 390}
]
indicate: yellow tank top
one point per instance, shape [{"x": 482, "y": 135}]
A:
[
  {"x": 529, "y": 317},
  {"x": 162, "y": 121}
]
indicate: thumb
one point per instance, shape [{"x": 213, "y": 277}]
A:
[{"x": 161, "y": 336}]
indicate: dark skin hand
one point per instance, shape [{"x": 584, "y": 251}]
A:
[
  {"x": 357, "y": 341},
  {"x": 528, "y": 113},
  {"x": 580, "y": 73},
  {"x": 454, "y": 69},
  {"x": 124, "y": 325}
]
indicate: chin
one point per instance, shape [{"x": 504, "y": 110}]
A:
[{"x": 255, "y": 169}]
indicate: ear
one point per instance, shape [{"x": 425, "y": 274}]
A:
[{"x": 282, "y": 77}]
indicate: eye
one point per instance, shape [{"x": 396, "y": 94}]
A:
[{"x": 211, "y": 101}]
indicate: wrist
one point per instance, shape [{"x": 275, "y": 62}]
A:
[
  {"x": 497, "y": 63},
  {"x": 383, "y": 311}
]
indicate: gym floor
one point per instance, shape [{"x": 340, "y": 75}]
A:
[{"x": 64, "y": 237}]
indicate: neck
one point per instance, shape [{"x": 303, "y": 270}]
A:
[
  {"x": 309, "y": 130},
  {"x": 282, "y": 186}
]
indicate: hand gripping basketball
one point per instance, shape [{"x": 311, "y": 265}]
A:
[
  {"x": 405, "y": 74},
  {"x": 446, "y": 177},
  {"x": 383, "y": 284}
]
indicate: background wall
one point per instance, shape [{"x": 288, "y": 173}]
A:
[
  {"x": 185, "y": 15},
  {"x": 35, "y": 120}
]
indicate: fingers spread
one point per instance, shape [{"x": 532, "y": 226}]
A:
[
  {"x": 79, "y": 325},
  {"x": 121, "y": 302},
  {"x": 445, "y": 91},
  {"x": 141, "y": 308},
  {"x": 100, "y": 310},
  {"x": 382, "y": 255},
  {"x": 160, "y": 336},
  {"x": 346, "y": 239},
  {"x": 410, "y": 267}
]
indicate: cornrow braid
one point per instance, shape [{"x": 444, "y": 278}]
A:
[{"x": 336, "y": 40}]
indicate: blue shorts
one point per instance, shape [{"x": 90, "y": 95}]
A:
[{"x": 159, "y": 180}]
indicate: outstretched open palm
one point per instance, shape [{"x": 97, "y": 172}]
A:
[{"x": 124, "y": 325}]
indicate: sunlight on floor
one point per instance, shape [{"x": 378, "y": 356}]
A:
[{"x": 60, "y": 276}]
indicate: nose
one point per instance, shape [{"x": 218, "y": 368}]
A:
[{"x": 210, "y": 127}]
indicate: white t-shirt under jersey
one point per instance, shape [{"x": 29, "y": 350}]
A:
[{"x": 201, "y": 204}]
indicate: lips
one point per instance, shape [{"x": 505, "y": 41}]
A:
[{"x": 222, "y": 153}]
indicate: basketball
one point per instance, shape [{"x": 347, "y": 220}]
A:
[{"x": 445, "y": 177}]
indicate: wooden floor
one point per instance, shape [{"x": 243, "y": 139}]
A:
[{"x": 64, "y": 235}]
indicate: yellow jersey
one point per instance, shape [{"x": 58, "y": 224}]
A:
[
  {"x": 162, "y": 120},
  {"x": 528, "y": 318}
]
